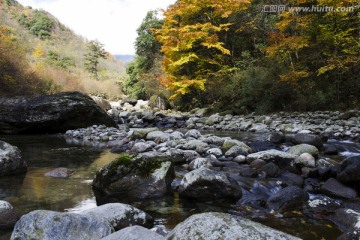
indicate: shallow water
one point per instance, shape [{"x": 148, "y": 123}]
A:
[{"x": 34, "y": 191}]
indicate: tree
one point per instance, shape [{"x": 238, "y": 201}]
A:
[
  {"x": 193, "y": 44},
  {"x": 143, "y": 72},
  {"x": 95, "y": 51}
]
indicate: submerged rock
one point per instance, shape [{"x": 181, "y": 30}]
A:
[
  {"x": 11, "y": 162},
  {"x": 334, "y": 188},
  {"x": 140, "y": 178},
  {"x": 214, "y": 226},
  {"x": 204, "y": 183},
  {"x": 288, "y": 198},
  {"x": 50, "y": 113},
  {"x": 49, "y": 225},
  {"x": 120, "y": 215},
  {"x": 134, "y": 233},
  {"x": 349, "y": 169},
  {"x": 59, "y": 173}
]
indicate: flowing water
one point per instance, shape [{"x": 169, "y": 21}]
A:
[{"x": 34, "y": 191}]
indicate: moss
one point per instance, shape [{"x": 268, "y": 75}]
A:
[
  {"x": 56, "y": 219},
  {"x": 147, "y": 167},
  {"x": 123, "y": 160}
]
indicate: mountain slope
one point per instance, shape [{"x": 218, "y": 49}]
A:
[{"x": 54, "y": 53}]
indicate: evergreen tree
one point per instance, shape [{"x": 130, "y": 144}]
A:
[{"x": 92, "y": 57}]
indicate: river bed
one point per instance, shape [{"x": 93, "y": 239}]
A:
[{"x": 43, "y": 153}]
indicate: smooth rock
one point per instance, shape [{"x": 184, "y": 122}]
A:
[
  {"x": 120, "y": 215},
  {"x": 215, "y": 226},
  {"x": 134, "y": 233},
  {"x": 305, "y": 160},
  {"x": 204, "y": 183},
  {"x": 158, "y": 136},
  {"x": 303, "y": 148},
  {"x": 49, "y": 225},
  {"x": 193, "y": 133},
  {"x": 50, "y": 113},
  {"x": 200, "y": 162},
  {"x": 236, "y": 151}
]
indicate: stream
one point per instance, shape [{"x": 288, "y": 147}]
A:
[{"x": 43, "y": 153}]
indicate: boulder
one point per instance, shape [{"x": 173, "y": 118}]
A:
[
  {"x": 204, "y": 183},
  {"x": 11, "y": 162},
  {"x": 194, "y": 145},
  {"x": 303, "y": 148},
  {"x": 229, "y": 143},
  {"x": 193, "y": 133},
  {"x": 49, "y": 225},
  {"x": 281, "y": 159},
  {"x": 8, "y": 215},
  {"x": 214, "y": 226},
  {"x": 214, "y": 151},
  {"x": 200, "y": 162},
  {"x": 349, "y": 169},
  {"x": 59, "y": 173},
  {"x": 277, "y": 137},
  {"x": 50, "y": 114},
  {"x": 134, "y": 233},
  {"x": 215, "y": 118},
  {"x": 288, "y": 198},
  {"x": 308, "y": 139},
  {"x": 103, "y": 103},
  {"x": 270, "y": 169},
  {"x": 158, "y": 136},
  {"x": 146, "y": 176},
  {"x": 336, "y": 189},
  {"x": 120, "y": 215},
  {"x": 237, "y": 150},
  {"x": 142, "y": 132},
  {"x": 140, "y": 147},
  {"x": 305, "y": 160}
]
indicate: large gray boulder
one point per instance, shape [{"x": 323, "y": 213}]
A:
[
  {"x": 126, "y": 178},
  {"x": 11, "y": 162},
  {"x": 214, "y": 226},
  {"x": 120, "y": 215},
  {"x": 50, "y": 113},
  {"x": 49, "y": 225},
  {"x": 204, "y": 183},
  {"x": 281, "y": 159},
  {"x": 134, "y": 233},
  {"x": 8, "y": 215}
]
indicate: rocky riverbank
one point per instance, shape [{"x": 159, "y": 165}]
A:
[{"x": 336, "y": 124}]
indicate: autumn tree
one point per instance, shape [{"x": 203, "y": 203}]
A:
[
  {"x": 95, "y": 51},
  {"x": 192, "y": 43},
  {"x": 321, "y": 52}
]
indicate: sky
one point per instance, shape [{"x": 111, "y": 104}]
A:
[{"x": 112, "y": 22}]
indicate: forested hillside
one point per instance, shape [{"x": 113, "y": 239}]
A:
[
  {"x": 243, "y": 55},
  {"x": 39, "y": 55}
]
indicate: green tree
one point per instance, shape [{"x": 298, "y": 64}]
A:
[
  {"x": 143, "y": 72},
  {"x": 95, "y": 51}
]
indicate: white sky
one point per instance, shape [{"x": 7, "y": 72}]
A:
[{"x": 112, "y": 22}]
